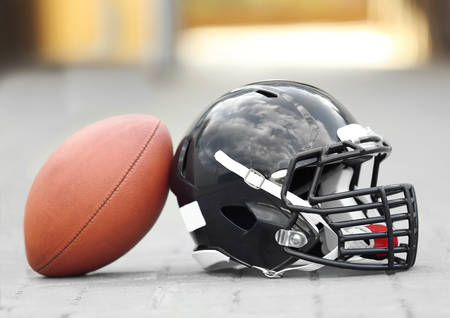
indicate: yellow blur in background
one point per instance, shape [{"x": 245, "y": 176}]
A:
[
  {"x": 321, "y": 33},
  {"x": 74, "y": 31}
]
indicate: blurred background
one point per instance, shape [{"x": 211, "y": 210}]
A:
[
  {"x": 164, "y": 33},
  {"x": 65, "y": 64}
]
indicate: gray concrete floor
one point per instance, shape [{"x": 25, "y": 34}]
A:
[{"x": 40, "y": 108}]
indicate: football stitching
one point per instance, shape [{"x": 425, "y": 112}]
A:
[{"x": 105, "y": 201}]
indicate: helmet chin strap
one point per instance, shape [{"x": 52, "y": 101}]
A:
[
  {"x": 306, "y": 267},
  {"x": 257, "y": 180}
]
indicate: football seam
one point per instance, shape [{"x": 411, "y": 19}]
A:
[{"x": 108, "y": 198}]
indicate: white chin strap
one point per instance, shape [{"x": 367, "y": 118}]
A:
[{"x": 257, "y": 180}]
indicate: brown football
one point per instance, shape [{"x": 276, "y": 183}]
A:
[{"x": 97, "y": 195}]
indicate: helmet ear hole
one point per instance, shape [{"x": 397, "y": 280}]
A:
[{"x": 239, "y": 216}]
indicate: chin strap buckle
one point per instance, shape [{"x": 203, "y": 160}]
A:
[
  {"x": 270, "y": 273},
  {"x": 254, "y": 178}
]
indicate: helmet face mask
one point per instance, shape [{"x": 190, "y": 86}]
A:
[
  {"x": 357, "y": 215},
  {"x": 267, "y": 177}
]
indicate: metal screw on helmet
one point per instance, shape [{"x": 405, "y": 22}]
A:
[
  {"x": 296, "y": 240},
  {"x": 291, "y": 238}
]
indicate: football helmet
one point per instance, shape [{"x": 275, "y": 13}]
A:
[{"x": 267, "y": 177}]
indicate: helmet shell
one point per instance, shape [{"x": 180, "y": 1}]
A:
[{"x": 261, "y": 126}]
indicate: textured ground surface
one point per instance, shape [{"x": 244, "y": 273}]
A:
[{"x": 40, "y": 108}]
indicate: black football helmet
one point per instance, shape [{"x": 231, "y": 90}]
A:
[{"x": 267, "y": 177}]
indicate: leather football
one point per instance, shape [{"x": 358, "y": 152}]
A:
[{"x": 97, "y": 195}]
